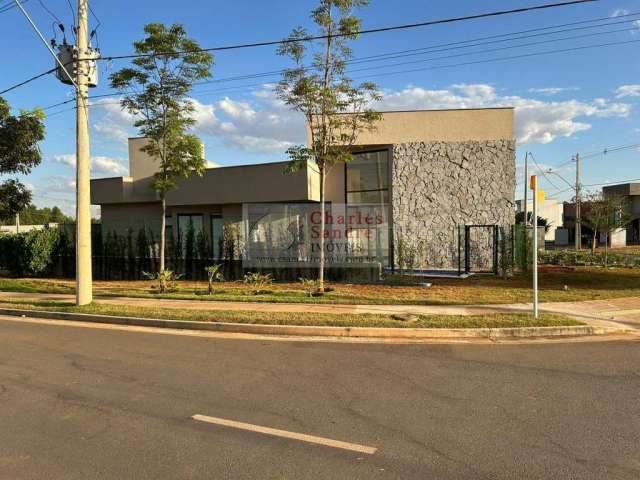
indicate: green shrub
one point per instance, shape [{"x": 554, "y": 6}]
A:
[
  {"x": 29, "y": 253},
  {"x": 258, "y": 281},
  {"x": 310, "y": 285},
  {"x": 587, "y": 258},
  {"x": 166, "y": 279},
  {"x": 214, "y": 274}
]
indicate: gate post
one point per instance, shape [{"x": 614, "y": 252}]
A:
[
  {"x": 495, "y": 249},
  {"x": 459, "y": 252},
  {"x": 467, "y": 247}
]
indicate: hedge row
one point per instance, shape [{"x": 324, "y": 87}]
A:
[
  {"x": 587, "y": 258},
  {"x": 30, "y": 253}
]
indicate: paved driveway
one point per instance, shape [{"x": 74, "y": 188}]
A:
[{"x": 98, "y": 403}]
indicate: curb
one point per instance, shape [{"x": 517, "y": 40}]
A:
[{"x": 322, "y": 331}]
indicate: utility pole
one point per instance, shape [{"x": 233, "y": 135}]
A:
[
  {"x": 525, "y": 222},
  {"x": 534, "y": 187},
  {"x": 578, "y": 220},
  {"x": 84, "y": 287},
  {"x": 526, "y": 187},
  {"x": 81, "y": 77}
]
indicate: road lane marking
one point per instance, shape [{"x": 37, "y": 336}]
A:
[{"x": 286, "y": 434}]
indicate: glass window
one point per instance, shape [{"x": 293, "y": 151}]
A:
[
  {"x": 367, "y": 178},
  {"x": 368, "y": 171},
  {"x": 372, "y": 196},
  {"x": 184, "y": 223},
  {"x": 217, "y": 226}
]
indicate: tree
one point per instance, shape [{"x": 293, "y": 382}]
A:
[
  {"x": 19, "y": 153},
  {"x": 161, "y": 79},
  {"x": 336, "y": 110},
  {"x": 606, "y": 214}
]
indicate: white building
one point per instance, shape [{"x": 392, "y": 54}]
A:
[{"x": 551, "y": 210}]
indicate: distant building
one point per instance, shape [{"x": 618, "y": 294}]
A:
[
  {"x": 631, "y": 191},
  {"x": 24, "y": 228},
  {"x": 551, "y": 210}
]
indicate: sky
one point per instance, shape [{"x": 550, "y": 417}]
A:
[{"x": 583, "y": 100}]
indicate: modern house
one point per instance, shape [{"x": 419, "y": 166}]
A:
[
  {"x": 631, "y": 192},
  {"x": 433, "y": 170},
  {"x": 625, "y": 236}
]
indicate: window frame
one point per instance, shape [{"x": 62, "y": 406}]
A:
[{"x": 387, "y": 151}]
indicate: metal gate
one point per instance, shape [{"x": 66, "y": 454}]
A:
[{"x": 480, "y": 249}]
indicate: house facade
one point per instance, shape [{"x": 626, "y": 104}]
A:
[
  {"x": 433, "y": 171},
  {"x": 631, "y": 194}
]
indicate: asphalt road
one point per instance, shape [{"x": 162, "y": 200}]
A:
[{"x": 78, "y": 403}]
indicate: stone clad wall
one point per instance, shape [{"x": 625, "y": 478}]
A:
[{"x": 438, "y": 186}]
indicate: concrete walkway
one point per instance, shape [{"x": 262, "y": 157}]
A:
[{"x": 602, "y": 313}]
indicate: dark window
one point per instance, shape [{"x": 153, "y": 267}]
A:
[
  {"x": 217, "y": 226},
  {"x": 367, "y": 178},
  {"x": 184, "y": 223}
]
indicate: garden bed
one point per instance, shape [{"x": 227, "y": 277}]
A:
[{"x": 581, "y": 284}]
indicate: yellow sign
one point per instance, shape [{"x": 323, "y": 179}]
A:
[
  {"x": 534, "y": 182},
  {"x": 540, "y": 196}
]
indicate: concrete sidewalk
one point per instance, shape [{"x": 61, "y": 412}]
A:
[{"x": 601, "y": 313}]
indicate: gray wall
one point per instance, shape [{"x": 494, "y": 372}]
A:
[
  {"x": 437, "y": 186},
  {"x": 120, "y": 217}
]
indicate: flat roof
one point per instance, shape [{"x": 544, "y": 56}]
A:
[{"x": 418, "y": 110}]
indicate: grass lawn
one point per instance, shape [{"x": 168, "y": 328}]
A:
[
  {"x": 317, "y": 319},
  {"x": 583, "y": 283}
]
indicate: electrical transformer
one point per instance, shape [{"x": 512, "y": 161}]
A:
[{"x": 68, "y": 56}]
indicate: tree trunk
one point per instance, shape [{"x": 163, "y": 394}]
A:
[
  {"x": 322, "y": 228},
  {"x": 594, "y": 242},
  {"x": 163, "y": 226},
  {"x": 606, "y": 250}
]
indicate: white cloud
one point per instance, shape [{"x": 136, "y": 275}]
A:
[
  {"x": 619, "y": 12},
  {"x": 115, "y": 123},
  {"x": 99, "y": 164},
  {"x": 265, "y": 126},
  {"x": 56, "y": 190},
  {"x": 628, "y": 91},
  {"x": 537, "y": 121},
  {"x": 550, "y": 91}
]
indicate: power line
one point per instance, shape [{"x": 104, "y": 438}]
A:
[
  {"x": 490, "y": 60},
  {"x": 9, "y": 5},
  {"x": 362, "y": 32},
  {"x": 512, "y": 57},
  {"x": 51, "y": 14},
  {"x": 608, "y": 150},
  {"x": 452, "y": 46},
  {"x": 498, "y": 49},
  {"x": 544, "y": 174},
  {"x": 628, "y": 180},
  {"x": 28, "y": 80},
  {"x": 73, "y": 14}
]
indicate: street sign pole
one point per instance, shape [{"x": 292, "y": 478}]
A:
[{"x": 534, "y": 187}]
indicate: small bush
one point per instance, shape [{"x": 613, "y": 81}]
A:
[
  {"x": 310, "y": 285},
  {"x": 166, "y": 279},
  {"x": 214, "y": 274},
  {"x": 258, "y": 281}
]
